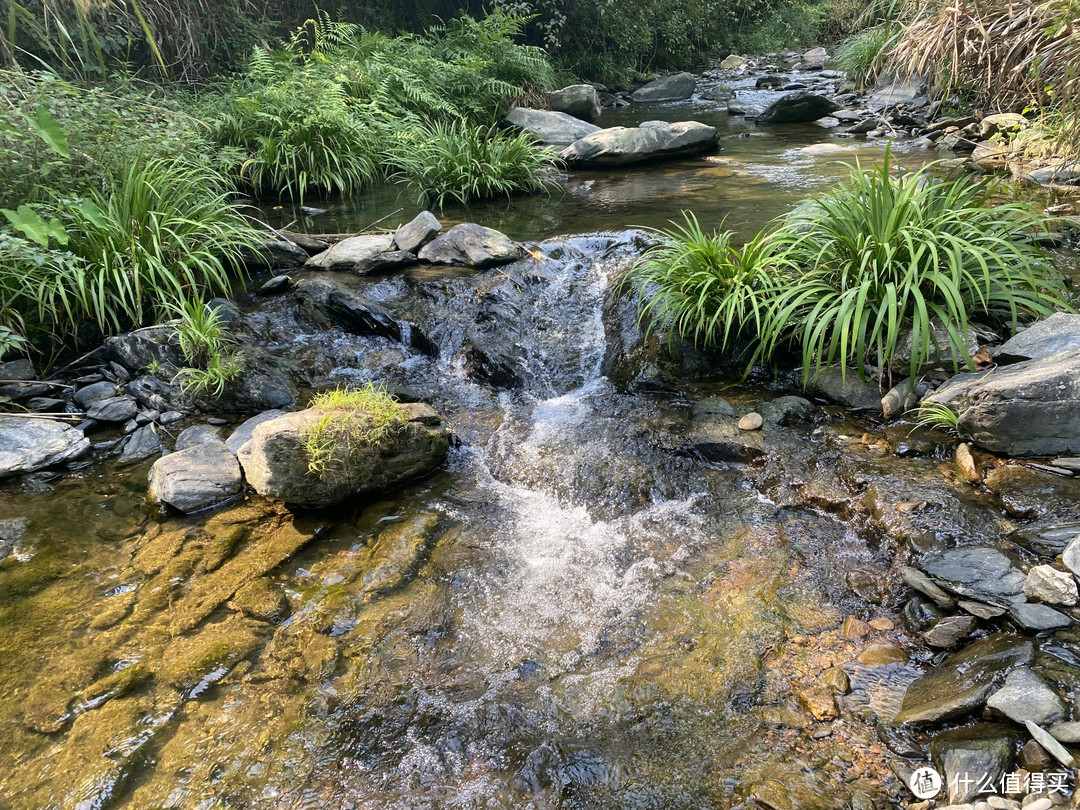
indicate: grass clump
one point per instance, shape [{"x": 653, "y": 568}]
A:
[
  {"x": 349, "y": 419},
  {"x": 206, "y": 344},
  {"x": 465, "y": 163},
  {"x": 937, "y": 416},
  {"x": 884, "y": 265}
]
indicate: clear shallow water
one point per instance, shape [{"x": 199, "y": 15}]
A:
[{"x": 590, "y": 616}]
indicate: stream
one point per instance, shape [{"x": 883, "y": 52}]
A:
[{"x": 577, "y": 611}]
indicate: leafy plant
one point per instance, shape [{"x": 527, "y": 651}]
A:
[
  {"x": 864, "y": 55},
  {"x": 201, "y": 331},
  {"x": 349, "y": 418},
  {"x": 937, "y": 416},
  {"x": 214, "y": 378},
  {"x": 456, "y": 161},
  {"x": 701, "y": 286}
]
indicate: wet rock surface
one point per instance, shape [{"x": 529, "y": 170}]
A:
[
  {"x": 27, "y": 445},
  {"x": 653, "y": 140},
  {"x": 197, "y": 478}
]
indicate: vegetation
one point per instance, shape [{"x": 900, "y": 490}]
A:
[
  {"x": 206, "y": 344},
  {"x": 937, "y": 416},
  {"x": 885, "y": 264},
  {"x": 349, "y": 418}
]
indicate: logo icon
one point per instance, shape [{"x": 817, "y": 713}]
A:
[{"x": 925, "y": 783}]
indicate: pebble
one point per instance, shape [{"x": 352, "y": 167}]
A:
[
  {"x": 169, "y": 417},
  {"x": 1045, "y": 583},
  {"x": 855, "y": 628},
  {"x": 1039, "y": 804},
  {"x": 882, "y": 624},
  {"x": 1052, "y": 746},
  {"x": 1003, "y": 803},
  {"x": 217, "y": 421},
  {"x": 752, "y": 421}
]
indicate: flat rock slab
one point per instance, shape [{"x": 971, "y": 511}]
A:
[
  {"x": 978, "y": 572},
  {"x": 1058, "y": 333},
  {"x": 27, "y": 445},
  {"x": 653, "y": 140},
  {"x": 1027, "y": 409},
  {"x": 197, "y": 478},
  {"x": 983, "y": 749},
  {"x": 471, "y": 245},
  {"x": 667, "y": 88},
  {"x": 798, "y": 108},
  {"x": 348, "y": 253},
  {"x": 556, "y": 128},
  {"x": 1027, "y": 697},
  {"x": 1036, "y": 617},
  {"x": 910, "y": 91}
]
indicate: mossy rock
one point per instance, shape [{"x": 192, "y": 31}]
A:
[
  {"x": 262, "y": 600},
  {"x": 218, "y": 646}
]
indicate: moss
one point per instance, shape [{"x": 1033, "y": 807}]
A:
[
  {"x": 397, "y": 553},
  {"x": 261, "y": 599},
  {"x": 189, "y": 660},
  {"x": 156, "y": 553},
  {"x": 118, "y": 683},
  {"x": 223, "y": 544}
]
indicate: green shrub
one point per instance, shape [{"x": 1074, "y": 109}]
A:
[
  {"x": 864, "y": 55},
  {"x": 457, "y": 161}
]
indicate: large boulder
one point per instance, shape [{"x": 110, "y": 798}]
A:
[
  {"x": 471, "y": 245},
  {"x": 1027, "y": 409},
  {"x": 1058, "y": 333},
  {"x": 196, "y": 478},
  {"x": 653, "y": 140},
  {"x": 549, "y": 126},
  {"x": 348, "y": 253},
  {"x": 27, "y": 445},
  {"x": 798, "y": 108},
  {"x": 676, "y": 87},
  {"x": 579, "y": 100},
  {"x": 277, "y": 463}
]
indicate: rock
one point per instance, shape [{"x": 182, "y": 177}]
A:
[
  {"x": 949, "y": 631},
  {"x": 348, "y": 309},
  {"x": 752, "y": 421},
  {"x": 961, "y": 683},
  {"x": 96, "y": 392},
  {"x": 385, "y": 263},
  {"x": 348, "y": 253},
  {"x": 1001, "y": 122},
  {"x": 1052, "y": 746},
  {"x": 278, "y": 284},
  {"x": 1047, "y": 584},
  {"x": 579, "y": 100},
  {"x": 555, "y": 128},
  {"x": 967, "y": 464},
  {"x": 770, "y": 81},
  {"x": 144, "y": 443},
  {"x": 196, "y": 435},
  {"x": 277, "y": 464},
  {"x": 145, "y": 347},
  {"x": 471, "y": 245},
  {"x": 667, "y": 88},
  {"x": 490, "y": 368},
  {"x": 820, "y": 703},
  {"x": 1027, "y": 409},
  {"x": 1071, "y": 555},
  {"x": 1036, "y": 617},
  {"x": 815, "y": 55},
  {"x": 747, "y": 108},
  {"x": 967, "y": 755},
  {"x": 916, "y": 579},
  {"x": 882, "y": 624},
  {"x": 1033, "y": 758},
  {"x": 789, "y": 410},
  {"x": 734, "y": 62},
  {"x": 901, "y": 398},
  {"x": 798, "y": 108},
  {"x": 653, "y": 140},
  {"x": 275, "y": 253},
  {"x": 27, "y": 445},
  {"x": 981, "y": 611},
  {"x": 979, "y": 572},
  {"x": 1058, "y": 333},
  {"x": 1067, "y": 732},
  {"x": 836, "y": 680},
  {"x": 21, "y": 369},
  {"x": 909, "y": 91},
  {"x": 261, "y": 599},
  {"x": 882, "y": 653},
  {"x": 113, "y": 409},
  {"x": 242, "y": 434},
  {"x": 197, "y": 478},
  {"x": 845, "y": 388},
  {"x": 854, "y": 628},
  {"x": 417, "y": 232},
  {"x": 1025, "y": 696}
]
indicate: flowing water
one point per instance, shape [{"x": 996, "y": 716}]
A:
[{"x": 587, "y": 614}]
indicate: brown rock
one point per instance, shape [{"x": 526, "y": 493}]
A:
[
  {"x": 855, "y": 628},
  {"x": 820, "y": 704},
  {"x": 947, "y": 632},
  {"x": 882, "y": 624},
  {"x": 836, "y": 680},
  {"x": 1033, "y": 757},
  {"x": 881, "y": 653},
  {"x": 752, "y": 421},
  {"x": 967, "y": 464}
]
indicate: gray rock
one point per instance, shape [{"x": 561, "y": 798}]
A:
[
  {"x": 1058, "y": 333},
  {"x": 242, "y": 434},
  {"x": 417, "y": 232},
  {"x": 653, "y": 140},
  {"x": 1047, "y": 584},
  {"x": 490, "y": 368},
  {"x": 949, "y": 631},
  {"x": 97, "y": 392},
  {"x": 11, "y": 531},
  {"x": 275, "y": 253},
  {"x": 348, "y": 309},
  {"x": 554, "y": 128},
  {"x": 386, "y": 263},
  {"x": 977, "y": 572},
  {"x": 1035, "y": 617},
  {"x": 910, "y": 91},
  {"x": 169, "y": 417},
  {"x": 142, "y": 444},
  {"x": 914, "y": 578},
  {"x": 1071, "y": 555},
  {"x": 21, "y": 369},
  {"x": 276, "y": 463},
  {"x": 278, "y": 284},
  {"x": 1025, "y": 696},
  {"x": 845, "y": 388},
  {"x": 798, "y": 108},
  {"x": 579, "y": 100},
  {"x": 734, "y": 62},
  {"x": 197, "y": 478},
  {"x": 961, "y": 683},
  {"x": 113, "y": 409},
  {"x": 1052, "y": 746},
  {"x": 789, "y": 410},
  {"x": 27, "y": 445},
  {"x": 667, "y": 88},
  {"x": 348, "y": 253},
  {"x": 471, "y": 245},
  {"x": 1067, "y": 732},
  {"x": 196, "y": 435},
  {"x": 145, "y": 347},
  {"x": 748, "y": 108},
  {"x": 1053, "y": 175},
  {"x": 981, "y": 750}
]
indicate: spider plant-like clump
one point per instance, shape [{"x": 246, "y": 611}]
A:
[
  {"x": 349, "y": 418},
  {"x": 456, "y": 161}
]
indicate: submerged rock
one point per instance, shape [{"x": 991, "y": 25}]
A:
[
  {"x": 277, "y": 463},
  {"x": 676, "y": 87},
  {"x": 653, "y": 140},
  {"x": 197, "y": 478},
  {"x": 27, "y": 445},
  {"x": 985, "y": 749}
]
